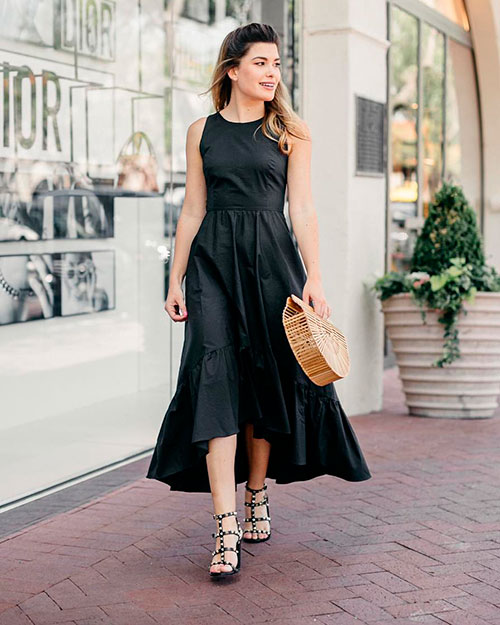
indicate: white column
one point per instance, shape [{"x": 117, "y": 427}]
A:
[
  {"x": 344, "y": 55},
  {"x": 484, "y": 17}
]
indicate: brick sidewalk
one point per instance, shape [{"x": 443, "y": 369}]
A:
[{"x": 418, "y": 543}]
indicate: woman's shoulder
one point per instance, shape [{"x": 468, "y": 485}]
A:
[
  {"x": 299, "y": 127},
  {"x": 196, "y": 127},
  {"x": 196, "y": 132}
]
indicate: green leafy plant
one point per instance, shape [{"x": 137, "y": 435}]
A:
[
  {"x": 450, "y": 231},
  {"x": 447, "y": 267}
]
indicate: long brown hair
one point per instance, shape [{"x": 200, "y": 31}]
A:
[{"x": 280, "y": 120}]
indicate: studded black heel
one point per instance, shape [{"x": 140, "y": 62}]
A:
[
  {"x": 253, "y": 519},
  {"x": 222, "y": 548}
]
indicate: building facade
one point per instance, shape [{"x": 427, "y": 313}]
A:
[
  {"x": 97, "y": 97},
  {"x": 433, "y": 64}
]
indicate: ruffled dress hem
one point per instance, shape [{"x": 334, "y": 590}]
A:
[{"x": 310, "y": 434}]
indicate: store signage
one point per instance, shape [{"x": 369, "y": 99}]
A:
[
  {"x": 42, "y": 108},
  {"x": 28, "y": 97},
  {"x": 88, "y": 25}
]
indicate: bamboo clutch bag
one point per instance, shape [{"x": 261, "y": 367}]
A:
[{"x": 320, "y": 347}]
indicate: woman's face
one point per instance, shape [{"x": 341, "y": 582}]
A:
[{"x": 258, "y": 73}]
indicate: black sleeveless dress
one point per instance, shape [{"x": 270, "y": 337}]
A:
[{"x": 236, "y": 364}]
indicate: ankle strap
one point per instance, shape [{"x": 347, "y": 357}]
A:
[
  {"x": 224, "y": 514},
  {"x": 255, "y": 490}
]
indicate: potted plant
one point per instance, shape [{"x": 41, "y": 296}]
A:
[{"x": 443, "y": 315}]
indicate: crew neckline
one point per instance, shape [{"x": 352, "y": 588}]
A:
[{"x": 240, "y": 123}]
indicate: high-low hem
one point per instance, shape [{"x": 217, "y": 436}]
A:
[{"x": 310, "y": 438}]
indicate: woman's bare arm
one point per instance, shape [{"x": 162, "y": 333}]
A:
[
  {"x": 192, "y": 213},
  {"x": 304, "y": 220}
]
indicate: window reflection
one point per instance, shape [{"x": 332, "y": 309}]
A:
[
  {"x": 432, "y": 115},
  {"x": 454, "y": 10},
  {"x": 96, "y": 99},
  {"x": 403, "y": 97},
  {"x": 445, "y": 142}
]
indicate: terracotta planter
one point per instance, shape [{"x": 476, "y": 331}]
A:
[{"x": 470, "y": 386}]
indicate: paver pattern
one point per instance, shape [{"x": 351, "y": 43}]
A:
[{"x": 418, "y": 543}]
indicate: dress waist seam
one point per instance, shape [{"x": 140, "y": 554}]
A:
[{"x": 243, "y": 209}]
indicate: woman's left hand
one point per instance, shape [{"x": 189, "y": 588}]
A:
[{"x": 313, "y": 290}]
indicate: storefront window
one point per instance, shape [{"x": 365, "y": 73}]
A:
[
  {"x": 83, "y": 171},
  {"x": 403, "y": 186},
  {"x": 96, "y": 99},
  {"x": 432, "y": 114},
  {"x": 434, "y": 122}
]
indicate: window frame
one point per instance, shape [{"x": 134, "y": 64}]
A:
[{"x": 423, "y": 13}]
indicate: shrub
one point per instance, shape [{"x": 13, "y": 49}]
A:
[
  {"x": 450, "y": 231},
  {"x": 447, "y": 267}
]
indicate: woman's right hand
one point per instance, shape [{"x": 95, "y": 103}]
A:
[
  {"x": 175, "y": 298},
  {"x": 192, "y": 214}
]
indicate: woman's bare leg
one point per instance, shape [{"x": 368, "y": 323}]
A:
[
  {"x": 220, "y": 465},
  {"x": 258, "y": 450}
]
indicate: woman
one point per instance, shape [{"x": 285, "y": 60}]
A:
[{"x": 243, "y": 408}]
